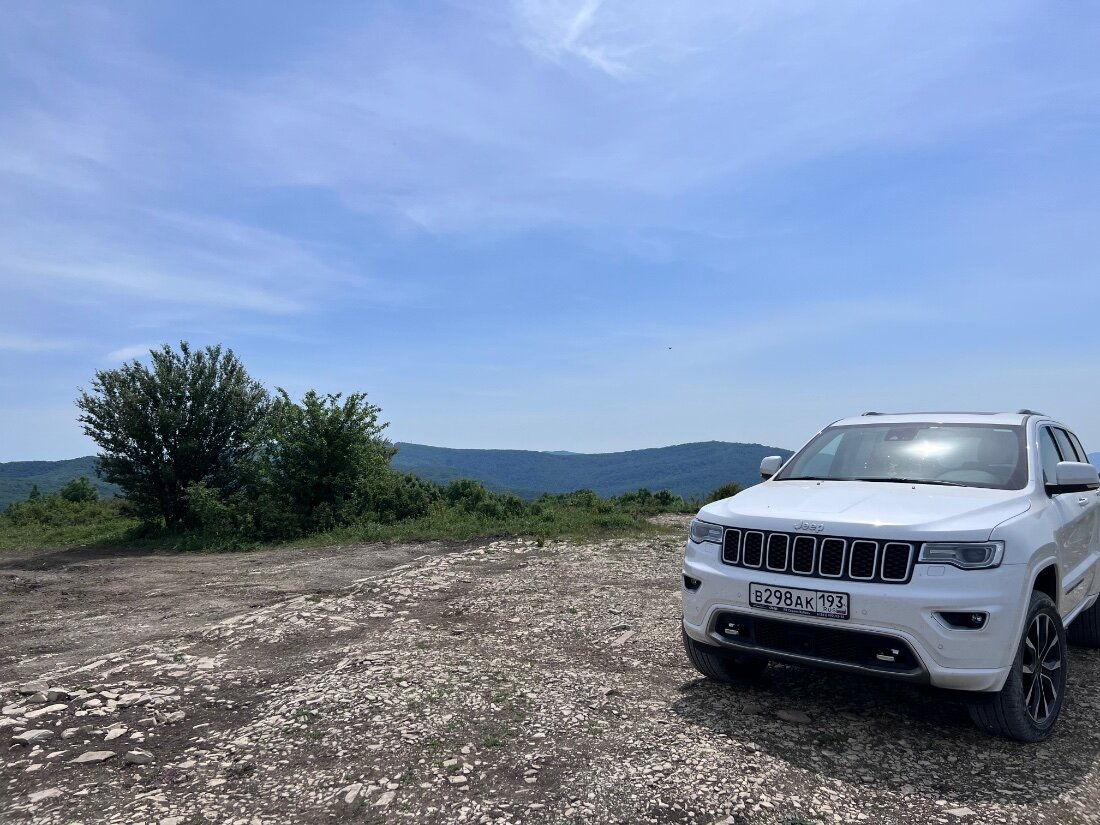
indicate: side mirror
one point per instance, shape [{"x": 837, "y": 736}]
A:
[
  {"x": 770, "y": 466},
  {"x": 1073, "y": 477}
]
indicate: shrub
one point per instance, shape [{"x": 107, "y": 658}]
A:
[
  {"x": 323, "y": 458},
  {"x": 725, "y": 491},
  {"x": 78, "y": 489}
]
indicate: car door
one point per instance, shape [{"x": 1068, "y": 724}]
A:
[
  {"x": 1078, "y": 513},
  {"x": 1092, "y": 497}
]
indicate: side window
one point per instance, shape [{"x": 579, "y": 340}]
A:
[
  {"x": 1048, "y": 455},
  {"x": 1080, "y": 450},
  {"x": 1065, "y": 447}
]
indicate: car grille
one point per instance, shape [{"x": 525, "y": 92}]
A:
[
  {"x": 854, "y": 647},
  {"x": 825, "y": 557}
]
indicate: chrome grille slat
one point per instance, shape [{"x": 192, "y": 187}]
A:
[
  {"x": 752, "y": 550},
  {"x": 803, "y": 554},
  {"x": 862, "y": 560},
  {"x": 779, "y": 545},
  {"x": 824, "y": 557},
  {"x": 897, "y": 558},
  {"x": 831, "y": 563},
  {"x": 731, "y": 546}
]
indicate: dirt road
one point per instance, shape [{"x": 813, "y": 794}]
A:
[{"x": 500, "y": 683}]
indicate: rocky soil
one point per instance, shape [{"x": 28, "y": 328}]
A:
[{"x": 506, "y": 682}]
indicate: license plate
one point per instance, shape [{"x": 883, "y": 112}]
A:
[{"x": 824, "y": 603}]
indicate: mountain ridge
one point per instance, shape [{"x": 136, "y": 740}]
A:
[{"x": 692, "y": 469}]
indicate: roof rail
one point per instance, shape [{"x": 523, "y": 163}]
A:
[
  {"x": 1026, "y": 411},
  {"x": 872, "y": 413}
]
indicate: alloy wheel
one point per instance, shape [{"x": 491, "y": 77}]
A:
[{"x": 1042, "y": 668}]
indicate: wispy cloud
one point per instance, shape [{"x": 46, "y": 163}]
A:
[
  {"x": 12, "y": 342},
  {"x": 129, "y": 352}
]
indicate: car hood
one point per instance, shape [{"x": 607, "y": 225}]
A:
[{"x": 870, "y": 509}]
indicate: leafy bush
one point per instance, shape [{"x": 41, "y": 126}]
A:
[
  {"x": 725, "y": 491},
  {"x": 324, "y": 459},
  {"x": 78, "y": 489},
  {"x": 645, "y": 502}
]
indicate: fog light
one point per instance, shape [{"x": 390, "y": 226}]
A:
[
  {"x": 691, "y": 584},
  {"x": 964, "y": 620},
  {"x": 731, "y": 627}
]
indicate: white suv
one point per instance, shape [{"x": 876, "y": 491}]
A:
[{"x": 950, "y": 549}]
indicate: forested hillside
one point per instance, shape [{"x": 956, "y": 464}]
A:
[
  {"x": 18, "y": 478},
  {"x": 686, "y": 469}
]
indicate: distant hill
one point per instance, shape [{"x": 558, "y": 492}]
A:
[
  {"x": 685, "y": 469},
  {"x": 18, "y": 477}
]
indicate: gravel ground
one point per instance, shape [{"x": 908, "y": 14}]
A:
[{"x": 506, "y": 682}]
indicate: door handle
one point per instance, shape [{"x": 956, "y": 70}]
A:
[{"x": 1084, "y": 502}]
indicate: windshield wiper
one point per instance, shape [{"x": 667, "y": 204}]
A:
[
  {"x": 938, "y": 481},
  {"x": 810, "y": 478}
]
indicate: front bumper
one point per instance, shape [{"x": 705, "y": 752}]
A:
[{"x": 971, "y": 660}]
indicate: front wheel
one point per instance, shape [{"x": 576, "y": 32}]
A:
[
  {"x": 1028, "y": 705},
  {"x": 720, "y": 664}
]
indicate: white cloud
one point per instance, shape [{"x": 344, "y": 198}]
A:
[
  {"x": 14, "y": 342},
  {"x": 129, "y": 353}
]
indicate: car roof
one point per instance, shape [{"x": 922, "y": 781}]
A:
[{"x": 1002, "y": 418}]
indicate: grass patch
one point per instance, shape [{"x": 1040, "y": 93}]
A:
[{"x": 51, "y": 522}]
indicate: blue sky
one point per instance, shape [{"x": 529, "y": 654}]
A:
[{"x": 557, "y": 225}]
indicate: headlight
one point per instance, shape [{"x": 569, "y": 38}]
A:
[
  {"x": 967, "y": 555},
  {"x": 705, "y": 531}
]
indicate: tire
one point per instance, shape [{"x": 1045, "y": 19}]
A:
[
  {"x": 722, "y": 665},
  {"x": 1027, "y": 707},
  {"x": 1085, "y": 629}
]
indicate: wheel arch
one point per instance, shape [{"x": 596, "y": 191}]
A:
[{"x": 1047, "y": 581}]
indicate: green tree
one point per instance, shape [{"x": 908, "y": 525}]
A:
[
  {"x": 189, "y": 417},
  {"x": 79, "y": 489},
  {"x": 325, "y": 457},
  {"x": 34, "y": 494}
]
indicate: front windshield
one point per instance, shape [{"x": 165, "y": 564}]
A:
[{"x": 964, "y": 455}]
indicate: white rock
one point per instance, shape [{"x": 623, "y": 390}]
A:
[
  {"x": 138, "y": 756},
  {"x": 961, "y": 812},
  {"x": 34, "y": 714},
  {"x": 92, "y": 756},
  {"x": 351, "y": 792},
  {"x": 34, "y": 687},
  {"x": 385, "y": 799},
  {"x": 457, "y": 780},
  {"x": 32, "y": 737},
  {"x": 39, "y": 796},
  {"x": 623, "y": 639},
  {"x": 115, "y": 732}
]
